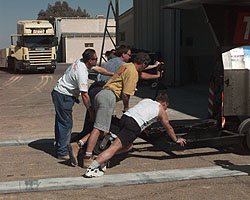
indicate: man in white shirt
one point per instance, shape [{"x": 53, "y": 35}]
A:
[
  {"x": 132, "y": 123},
  {"x": 73, "y": 83}
]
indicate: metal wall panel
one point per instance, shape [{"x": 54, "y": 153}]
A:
[
  {"x": 157, "y": 30},
  {"x": 236, "y": 92}
]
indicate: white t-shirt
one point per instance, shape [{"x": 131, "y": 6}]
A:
[
  {"x": 74, "y": 80},
  {"x": 144, "y": 113}
]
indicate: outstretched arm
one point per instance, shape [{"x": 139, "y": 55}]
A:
[
  {"x": 103, "y": 71},
  {"x": 152, "y": 66},
  {"x": 148, "y": 76},
  {"x": 170, "y": 131}
]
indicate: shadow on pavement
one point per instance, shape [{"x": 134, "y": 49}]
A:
[
  {"x": 116, "y": 160},
  {"x": 235, "y": 149},
  {"x": 238, "y": 149},
  {"x": 228, "y": 165},
  {"x": 45, "y": 145},
  {"x": 170, "y": 155}
]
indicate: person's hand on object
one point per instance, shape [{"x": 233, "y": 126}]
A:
[{"x": 181, "y": 141}]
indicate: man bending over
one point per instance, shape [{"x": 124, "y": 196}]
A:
[{"x": 132, "y": 123}]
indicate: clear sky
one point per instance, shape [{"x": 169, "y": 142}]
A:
[{"x": 13, "y": 10}]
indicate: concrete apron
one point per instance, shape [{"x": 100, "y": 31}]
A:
[{"x": 123, "y": 179}]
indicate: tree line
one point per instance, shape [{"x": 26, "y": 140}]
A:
[{"x": 61, "y": 10}]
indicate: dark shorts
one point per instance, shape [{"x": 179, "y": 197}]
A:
[
  {"x": 129, "y": 130},
  {"x": 94, "y": 89}
]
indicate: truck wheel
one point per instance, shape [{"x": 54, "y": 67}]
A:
[
  {"x": 15, "y": 67},
  {"x": 244, "y": 127},
  {"x": 10, "y": 63},
  {"x": 248, "y": 139},
  {"x": 52, "y": 71}
]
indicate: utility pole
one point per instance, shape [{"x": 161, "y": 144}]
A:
[{"x": 117, "y": 22}]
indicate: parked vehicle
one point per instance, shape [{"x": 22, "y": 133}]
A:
[{"x": 33, "y": 48}]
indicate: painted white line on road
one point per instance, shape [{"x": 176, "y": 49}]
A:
[
  {"x": 123, "y": 179},
  {"x": 43, "y": 82},
  {"x": 26, "y": 142}
]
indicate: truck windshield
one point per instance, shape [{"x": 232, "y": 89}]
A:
[{"x": 39, "y": 41}]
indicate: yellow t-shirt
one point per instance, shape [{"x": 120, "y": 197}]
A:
[{"x": 123, "y": 81}]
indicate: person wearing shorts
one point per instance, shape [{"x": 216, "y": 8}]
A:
[
  {"x": 132, "y": 123},
  {"x": 120, "y": 87}
]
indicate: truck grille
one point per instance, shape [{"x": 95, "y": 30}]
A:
[{"x": 41, "y": 57}]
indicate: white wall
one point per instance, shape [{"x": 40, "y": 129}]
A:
[
  {"x": 82, "y": 25},
  {"x": 74, "y": 47},
  {"x": 75, "y": 32}
]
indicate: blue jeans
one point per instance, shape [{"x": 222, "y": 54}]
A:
[{"x": 63, "y": 121}]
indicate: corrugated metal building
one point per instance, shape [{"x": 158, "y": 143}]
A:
[{"x": 187, "y": 53}]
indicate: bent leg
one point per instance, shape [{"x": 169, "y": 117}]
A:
[
  {"x": 94, "y": 135},
  {"x": 124, "y": 149}
]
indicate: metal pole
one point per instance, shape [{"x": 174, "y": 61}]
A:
[
  {"x": 104, "y": 34},
  {"x": 117, "y": 22}
]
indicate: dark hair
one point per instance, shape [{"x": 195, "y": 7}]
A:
[
  {"x": 163, "y": 97},
  {"x": 88, "y": 54},
  {"x": 121, "y": 49},
  {"x": 109, "y": 55},
  {"x": 141, "y": 58}
]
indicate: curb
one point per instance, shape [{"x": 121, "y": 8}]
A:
[
  {"x": 26, "y": 142},
  {"x": 70, "y": 183}
]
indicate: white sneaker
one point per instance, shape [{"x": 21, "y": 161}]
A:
[
  {"x": 103, "y": 166},
  {"x": 114, "y": 136},
  {"x": 93, "y": 172}
]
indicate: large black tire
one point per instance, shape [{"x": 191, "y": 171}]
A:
[
  {"x": 248, "y": 139},
  {"x": 10, "y": 63},
  {"x": 244, "y": 128},
  {"x": 15, "y": 70}
]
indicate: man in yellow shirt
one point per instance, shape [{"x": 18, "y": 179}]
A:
[{"x": 119, "y": 87}]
